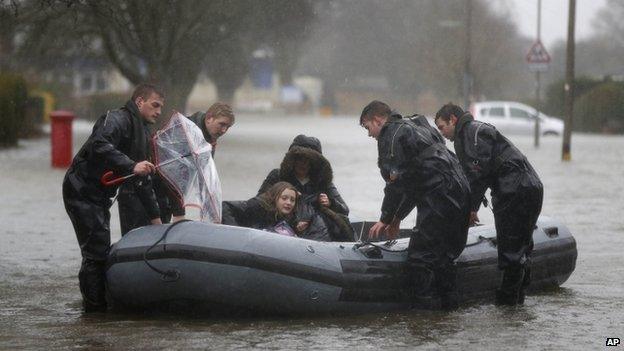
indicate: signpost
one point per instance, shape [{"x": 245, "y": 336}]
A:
[{"x": 538, "y": 60}]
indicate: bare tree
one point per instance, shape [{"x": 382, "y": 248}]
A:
[
  {"x": 608, "y": 21},
  {"x": 418, "y": 46},
  {"x": 167, "y": 42}
]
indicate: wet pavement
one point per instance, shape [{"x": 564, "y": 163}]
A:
[{"x": 39, "y": 257}]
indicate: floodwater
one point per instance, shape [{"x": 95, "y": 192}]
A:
[{"x": 40, "y": 304}]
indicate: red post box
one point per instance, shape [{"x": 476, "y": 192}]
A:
[{"x": 61, "y": 138}]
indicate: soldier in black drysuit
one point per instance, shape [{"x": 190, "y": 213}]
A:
[
  {"x": 491, "y": 161},
  {"x": 119, "y": 142},
  {"x": 421, "y": 172},
  {"x": 422, "y": 121}
]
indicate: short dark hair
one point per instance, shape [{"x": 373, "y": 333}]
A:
[
  {"x": 375, "y": 108},
  {"x": 447, "y": 110},
  {"x": 144, "y": 90}
]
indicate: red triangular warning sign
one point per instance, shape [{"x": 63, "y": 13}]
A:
[{"x": 537, "y": 54}]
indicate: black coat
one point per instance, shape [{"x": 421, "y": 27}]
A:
[
  {"x": 255, "y": 213},
  {"x": 321, "y": 176},
  {"x": 491, "y": 161},
  {"x": 199, "y": 119},
  {"x": 421, "y": 172},
  {"x": 422, "y": 121},
  {"x": 118, "y": 141}
]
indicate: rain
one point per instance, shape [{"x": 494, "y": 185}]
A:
[{"x": 290, "y": 67}]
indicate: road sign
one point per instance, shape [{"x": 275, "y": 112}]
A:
[
  {"x": 538, "y": 54},
  {"x": 538, "y": 57}
]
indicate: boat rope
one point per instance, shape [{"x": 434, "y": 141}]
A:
[
  {"x": 387, "y": 244},
  {"x": 383, "y": 247},
  {"x": 173, "y": 274}
]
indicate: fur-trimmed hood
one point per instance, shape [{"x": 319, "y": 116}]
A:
[{"x": 321, "y": 174}]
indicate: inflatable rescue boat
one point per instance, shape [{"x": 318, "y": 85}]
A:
[{"x": 220, "y": 267}]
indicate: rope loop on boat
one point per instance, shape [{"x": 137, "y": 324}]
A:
[
  {"x": 383, "y": 247},
  {"x": 171, "y": 275}
]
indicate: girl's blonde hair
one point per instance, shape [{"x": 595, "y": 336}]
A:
[{"x": 270, "y": 196}]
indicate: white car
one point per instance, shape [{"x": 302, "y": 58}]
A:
[{"x": 515, "y": 118}]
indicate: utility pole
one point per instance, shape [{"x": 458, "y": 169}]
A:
[
  {"x": 537, "y": 78},
  {"x": 569, "y": 85},
  {"x": 467, "y": 87}
]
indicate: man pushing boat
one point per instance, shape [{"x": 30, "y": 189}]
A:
[{"x": 421, "y": 172}]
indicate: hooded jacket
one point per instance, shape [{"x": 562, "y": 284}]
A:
[
  {"x": 320, "y": 175},
  {"x": 491, "y": 161},
  {"x": 118, "y": 141}
]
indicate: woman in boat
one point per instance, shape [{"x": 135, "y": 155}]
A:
[
  {"x": 274, "y": 211},
  {"x": 310, "y": 172}
]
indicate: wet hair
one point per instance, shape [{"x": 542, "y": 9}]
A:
[
  {"x": 144, "y": 90},
  {"x": 447, "y": 110},
  {"x": 375, "y": 108},
  {"x": 270, "y": 196},
  {"x": 220, "y": 109}
]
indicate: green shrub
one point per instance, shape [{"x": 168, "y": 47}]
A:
[
  {"x": 601, "y": 109},
  {"x": 554, "y": 102},
  {"x": 33, "y": 117},
  {"x": 598, "y": 105},
  {"x": 13, "y": 99}
]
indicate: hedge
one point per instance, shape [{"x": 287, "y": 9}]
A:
[{"x": 13, "y": 100}]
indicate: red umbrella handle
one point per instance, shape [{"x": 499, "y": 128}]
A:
[{"x": 109, "y": 179}]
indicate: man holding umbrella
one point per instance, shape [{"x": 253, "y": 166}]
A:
[{"x": 119, "y": 142}]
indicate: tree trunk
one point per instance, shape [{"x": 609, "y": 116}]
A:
[{"x": 225, "y": 93}]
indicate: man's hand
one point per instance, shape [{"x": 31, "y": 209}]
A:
[
  {"x": 474, "y": 219},
  {"x": 302, "y": 226},
  {"x": 155, "y": 221},
  {"x": 143, "y": 168},
  {"x": 324, "y": 200},
  {"x": 377, "y": 229},
  {"x": 393, "y": 229}
]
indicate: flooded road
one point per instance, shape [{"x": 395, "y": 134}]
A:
[{"x": 40, "y": 304}]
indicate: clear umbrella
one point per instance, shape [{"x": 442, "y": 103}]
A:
[{"x": 184, "y": 160}]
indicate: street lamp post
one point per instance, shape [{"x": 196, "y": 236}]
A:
[
  {"x": 467, "y": 86},
  {"x": 537, "y": 77},
  {"x": 569, "y": 85}
]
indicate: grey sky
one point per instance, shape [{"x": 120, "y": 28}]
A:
[{"x": 554, "y": 17}]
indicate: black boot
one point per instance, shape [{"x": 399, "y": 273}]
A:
[
  {"x": 93, "y": 285},
  {"x": 511, "y": 286},
  {"x": 446, "y": 286},
  {"x": 421, "y": 287},
  {"x": 449, "y": 301},
  {"x": 526, "y": 281}
]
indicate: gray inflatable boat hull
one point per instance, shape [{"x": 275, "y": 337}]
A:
[{"x": 219, "y": 267}]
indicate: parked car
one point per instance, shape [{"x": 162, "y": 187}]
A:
[{"x": 515, "y": 118}]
